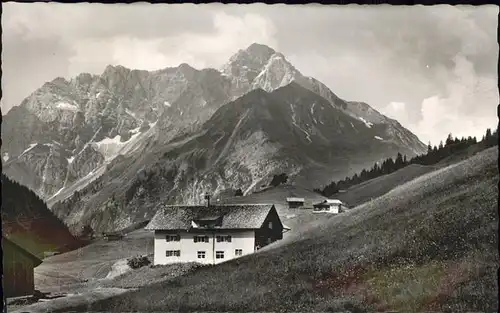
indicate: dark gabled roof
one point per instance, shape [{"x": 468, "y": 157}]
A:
[
  {"x": 321, "y": 204},
  {"x": 234, "y": 216},
  {"x": 36, "y": 260}
]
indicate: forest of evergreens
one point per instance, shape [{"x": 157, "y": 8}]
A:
[{"x": 28, "y": 221}]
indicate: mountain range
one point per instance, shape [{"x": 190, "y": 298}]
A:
[{"x": 104, "y": 149}]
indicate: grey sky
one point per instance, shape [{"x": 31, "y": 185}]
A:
[{"x": 432, "y": 68}]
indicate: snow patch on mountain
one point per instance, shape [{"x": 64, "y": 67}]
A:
[
  {"x": 294, "y": 122},
  {"x": 67, "y": 106},
  {"x": 136, "y": 142},
  {"x": 112, "y": 147},
  {"x": 58, "y": 192},
  {"x": 70, "y": 160},
  {"x": 5, "y": 157},
  {"x": 379, "y": 138},
  {"x": 312, "y": 113},
  {"x": 368, "y": 124},
  {"x": 131, "y": 114},
  {"x": 78, "y": 185},
  {"x": 167, "y": 104},
  {"x": 275, "y": 74},
  {"x": 31, "y": 146},
  {"x": 135, "y": 130}
]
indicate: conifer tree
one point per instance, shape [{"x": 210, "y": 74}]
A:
[
  {"x": 429, "y": 148},
  {"x": 399, "y": 161},
  {"x": 449, "y": 140}
]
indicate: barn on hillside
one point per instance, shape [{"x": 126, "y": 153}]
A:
[
  {"x": 18, "y": 265},
  {"x": 294, "y": 202}
]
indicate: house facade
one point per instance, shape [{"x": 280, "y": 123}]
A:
[
  {"x": 212, "y": 234},
  {"x": 294, "y": 202},
  {"x": 329, "y": 206},
  {"x": 18, "y": 269}
]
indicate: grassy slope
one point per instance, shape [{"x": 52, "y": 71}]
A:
[
  {"x": 67, "y": 272},
  {"x": 426, "y": 245},
  {"x": 278, "y": 196},
  {"x": 378, "y": 186}
]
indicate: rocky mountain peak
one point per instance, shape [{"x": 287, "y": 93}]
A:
[
  {"x": 187, "y": 71},
  {"x": 113, "y": 70},
  {"x": 259, "y": 50},
  {"x": 253, "y": 58}
]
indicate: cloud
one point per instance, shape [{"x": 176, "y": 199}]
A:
[
  {"x": 199, "y": 50},
  {"x": 466, "y": 108},
  {"x": 397, "y": 111},
  {"x": 95, "y": 20}
]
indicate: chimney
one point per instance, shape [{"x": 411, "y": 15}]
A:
[{"x": 207, "y": 197}]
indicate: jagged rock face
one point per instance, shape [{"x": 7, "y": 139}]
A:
[
  {"x": 114, "y": 106},
  {"x": 245, "y": 66},
  {"x": 243, "y": 144},
  {"x": 213, "y": 141},
  {"x": 41, "y": 165},
  {"x": 83, "y": 164}
]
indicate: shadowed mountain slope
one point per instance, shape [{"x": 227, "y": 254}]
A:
[{"x": 27, "y": 221}]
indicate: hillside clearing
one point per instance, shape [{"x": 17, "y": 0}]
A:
[
  {"x": 82, "y": 269},
  {"x": 429, "y": 244},
  {"x": 376, "y": 187}
]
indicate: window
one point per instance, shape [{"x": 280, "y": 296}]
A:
[
  {"x": 172, "y": 238},
  {"x": 200, "y": 238},
  {"x": 238, "y": 252},
  {"x": 223, "y": 238},
  {"x": 171, "y": 253},
  {"x": 201, "y": 254},
  {"x": 219, "y": 254},
  {"x": 270, "y": 225},
  {"x": 269, "y": 240}
]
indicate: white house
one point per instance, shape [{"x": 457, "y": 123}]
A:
[
  {"x": 212, "y": 234},
  {"x": 329, "y": 206}
]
